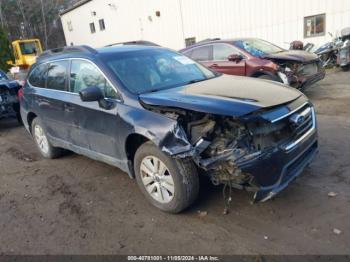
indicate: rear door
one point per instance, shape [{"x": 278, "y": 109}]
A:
[
  {"x": 94, "y": 128},
  {"x": 49, "y": 90},
  {"x": 220, "y": 63},
  {"x": 201, "y": 54}
]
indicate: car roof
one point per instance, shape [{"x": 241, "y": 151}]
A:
[
  {"x": 88, "y": 52},
  {"x": 218, "y": 40}
]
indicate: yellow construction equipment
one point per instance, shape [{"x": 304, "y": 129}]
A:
[{"x": 25, "y": 52}]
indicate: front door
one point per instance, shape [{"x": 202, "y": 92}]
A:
[
  {"x": 95, "y": 128},
  {"x": 220, "y": 63}
]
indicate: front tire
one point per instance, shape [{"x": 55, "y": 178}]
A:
[
  {"x": 42, "y": 142},
  {"x": 169, "y": 184}
]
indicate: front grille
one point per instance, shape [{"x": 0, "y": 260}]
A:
[
  {"x": 286, "y": 131},
  {"x": 302, "y": 122},
  {"x": 305, "y": 123}
]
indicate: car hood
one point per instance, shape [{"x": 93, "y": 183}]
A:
[
  {"x": 224, "y": 95},
  {"x": 293, "y": 55},
  {"x": 9, "y": 83}
]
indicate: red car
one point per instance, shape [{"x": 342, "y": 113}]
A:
[{"x": 258, "y": 58}]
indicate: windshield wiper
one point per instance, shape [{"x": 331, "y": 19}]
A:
[{"x": 196, "y": 81}]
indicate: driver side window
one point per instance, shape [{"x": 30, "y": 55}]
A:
[
  {"x": 84, "y": 74},
  {"x": 223, "y": 51}
]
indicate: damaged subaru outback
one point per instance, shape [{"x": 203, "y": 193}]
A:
[{"x": 164, "y": 119}]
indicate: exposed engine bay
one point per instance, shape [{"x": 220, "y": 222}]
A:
[
  {"x": 223, "y": 147},
  {"x": 221, "y": 144}
]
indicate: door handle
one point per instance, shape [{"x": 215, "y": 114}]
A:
[
  {"x": 68, "y": 108},
  {"x": 213, "y": 65}
]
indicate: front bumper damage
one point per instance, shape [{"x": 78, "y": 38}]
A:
[
  {"x": 229, "y": 157},
  {"x": 9, "y": 104},
  {"x": 295, "y": 75}
]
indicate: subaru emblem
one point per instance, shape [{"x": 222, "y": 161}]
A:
[{"x": 297, "y": 119}]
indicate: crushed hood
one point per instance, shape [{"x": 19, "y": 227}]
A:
[
  {"x": 9, "y": 83},
  {"x": 224, "y": 95},
  {"x": 293, "y": 55}
]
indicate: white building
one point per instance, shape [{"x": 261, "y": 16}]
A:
[{"x": 173, "y": 23}]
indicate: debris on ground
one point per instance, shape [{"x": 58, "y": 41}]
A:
[
  {"x": 266, "y": 237},
  {"x": 332, "y": 194},
  {"x": 202, "y": 214},
  {"x": 337, "y": 231}
]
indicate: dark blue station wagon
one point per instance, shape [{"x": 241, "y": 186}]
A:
[{"x": 165, "y": 119}]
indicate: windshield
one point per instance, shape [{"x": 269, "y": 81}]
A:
[
  {"x": 29, "y": 48},
  {"x": 155, "y": 69},
  {"x": 257, "y": 47}
]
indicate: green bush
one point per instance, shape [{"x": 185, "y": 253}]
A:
[{"x": 5, "y": 51}]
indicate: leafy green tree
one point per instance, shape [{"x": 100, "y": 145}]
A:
[{"x": 5, "y": 51}]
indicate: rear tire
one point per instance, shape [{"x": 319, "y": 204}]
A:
[
  {"x": 42, "y": 142},
  {"x": 169, "y": 184}
]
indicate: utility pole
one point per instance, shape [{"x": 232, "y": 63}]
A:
[
  {"x": 1, "y": 16},
  {"x": 44, "y": 24}
]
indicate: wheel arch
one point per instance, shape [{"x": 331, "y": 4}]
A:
[
  {"x": 30, "y": 117},
  {"x": 132, "y": 143}
]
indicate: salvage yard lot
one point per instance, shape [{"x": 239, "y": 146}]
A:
[{"x": 74, "y": 205}]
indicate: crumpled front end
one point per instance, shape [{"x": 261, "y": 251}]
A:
[
  {"x": 8, "y": 101},
  {"x": 300, "y": 75},
  {"x": 260, "y": 152}
]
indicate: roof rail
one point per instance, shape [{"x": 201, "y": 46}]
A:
[
  {"x": 136, "y": 42},
  {"x": 208, "y": 40},
  {"x": 65, "y": 50}
]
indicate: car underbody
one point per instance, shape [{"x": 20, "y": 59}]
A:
[{"x": 240, "y": 152}]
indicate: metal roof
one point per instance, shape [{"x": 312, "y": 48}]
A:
[{"x": 76, "y": 5}]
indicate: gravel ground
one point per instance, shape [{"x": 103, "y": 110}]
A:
[{"x": 74, "y": 205}]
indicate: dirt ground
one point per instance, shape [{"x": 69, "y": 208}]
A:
[{"x": 74, "y": 205}]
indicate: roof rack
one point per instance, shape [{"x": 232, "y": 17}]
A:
[
  {"x": 66, "y": 50},
  {"x": 209, "y": 40},
  {"x": 136, "y": 42}
]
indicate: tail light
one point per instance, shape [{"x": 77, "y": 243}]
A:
[{"x": 20, "y": 93}]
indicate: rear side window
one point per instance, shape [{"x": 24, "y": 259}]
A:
[
  {"x": 84, "y": 74},
  {"x": 57, "y": 75},
  {"x": 201, "y": 53},
  {"x": 38, "y": 76}
]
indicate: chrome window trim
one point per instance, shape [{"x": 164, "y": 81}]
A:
[{"x": 70, "y": 60}]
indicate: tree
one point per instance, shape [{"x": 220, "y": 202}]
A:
[
  {"x": 25, "y": 19},
  {"x": 5, "y": 51}
]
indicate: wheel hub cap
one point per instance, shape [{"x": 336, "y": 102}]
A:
[
  {"x": 157, "y": 179},
  {"x": 41, "y": 139}
]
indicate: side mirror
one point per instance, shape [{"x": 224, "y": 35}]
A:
[
  {"x": 91, "y": 94},
  {"x": 235, "y": 58}
]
